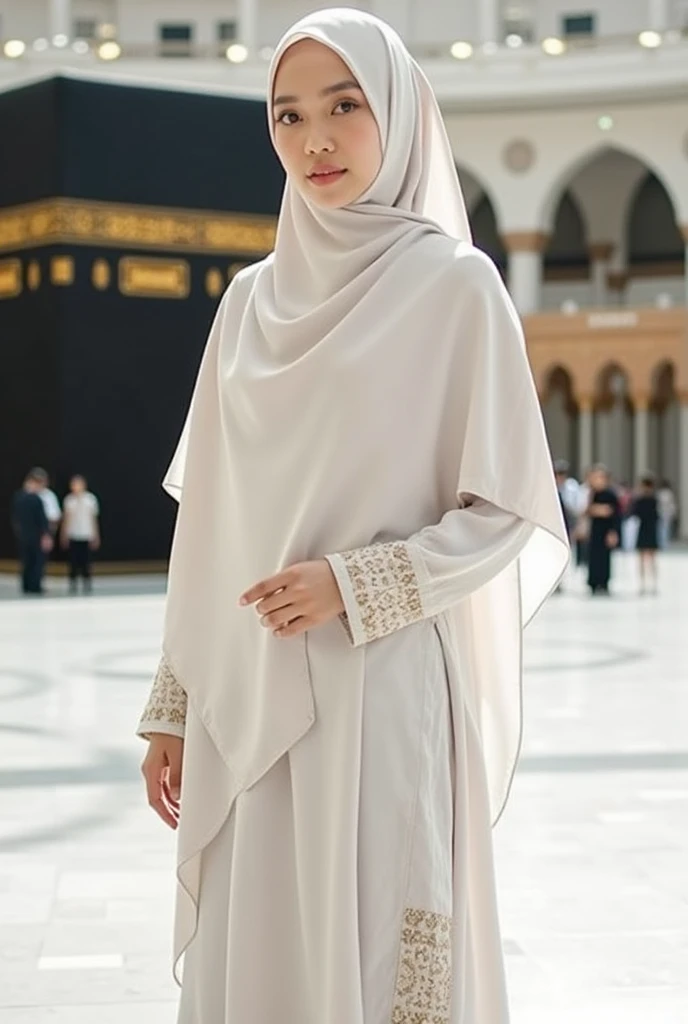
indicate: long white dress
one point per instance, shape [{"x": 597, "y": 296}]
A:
[{"x": 331, "y": 891}]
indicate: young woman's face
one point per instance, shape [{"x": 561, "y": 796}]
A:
[{"x": 325, "y": 133}]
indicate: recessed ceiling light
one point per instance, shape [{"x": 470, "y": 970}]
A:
[
  {"x": 605, "y": 123},
  {"x": 554, "y": 46},
  {"x": 513, "y": 41},
  {"x": 650, "y": 39},
  {"x": 14, "y": 48},
  {"x": 236, "y": 53},
  {"x": 110, "y": 50},
  {"x": 461, "y": 50}
]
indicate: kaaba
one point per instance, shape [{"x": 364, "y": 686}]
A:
[{"x": 124, "y": 213}]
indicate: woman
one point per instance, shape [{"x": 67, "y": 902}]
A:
[
  {"x": 645, "y": 509},
  {"x": 604, "y": 515},
  {"x": 368, "y": 515}
]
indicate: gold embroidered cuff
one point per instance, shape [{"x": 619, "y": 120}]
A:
[
  {"x": 379, "y": 589},
  {"x": 424, "y": 981},
  {"x": 166, "y": 707}
]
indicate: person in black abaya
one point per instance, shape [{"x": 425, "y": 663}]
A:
[{"x": 604, "y": 514}]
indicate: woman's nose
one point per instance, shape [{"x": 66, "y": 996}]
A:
[{"x": 318, "y": 142}]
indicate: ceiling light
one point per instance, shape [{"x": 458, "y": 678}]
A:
[
  {"x": 106, "y": 30},
  {"x": 650, "y": 39},
  {"x": 461, "y": 50},
  {"x": 60, "y": 41},
  {"x": 236, "y": 53},
  {"x": 513, "y": 41},
  {"x": 109, "y": 50},
  {"x": 605, "y": 123},
  {"x": 40, "y": 45},
  {"x": 80, "y": 46},
  {"x": 14, "y": 48},
  {"x": 554, "y": 46}
]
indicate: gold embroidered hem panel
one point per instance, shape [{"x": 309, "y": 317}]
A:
[
  {"x": 423, "y": 991},
  {"x": 167, "y": 704}
]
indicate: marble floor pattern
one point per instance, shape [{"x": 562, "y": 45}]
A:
[{"x": 591, "y": 852}]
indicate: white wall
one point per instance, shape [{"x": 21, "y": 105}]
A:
[
  {"x": 138, "y": 20},
  {"x": 644, "y": 291},
  {"x": 613, "y": 17},
  {"x": 27, "y": 20},
  {"x": 554, "y": 293},
  {"x": 563, "y": 141},
  {"x": 419, "y": 21}
]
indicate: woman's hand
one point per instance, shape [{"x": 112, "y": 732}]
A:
[
  {"x": 162, "y": 770},
  {"x": 612, "y": 539},
  {"x": 293, "y": 601}
]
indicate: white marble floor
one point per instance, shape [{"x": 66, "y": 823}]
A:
[{"x": 592, "y": 851}]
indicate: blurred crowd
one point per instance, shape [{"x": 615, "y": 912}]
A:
[
  {"x": 603, "y": 516},
  {"x": 40, "y": 524}
]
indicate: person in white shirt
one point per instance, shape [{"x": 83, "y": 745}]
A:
[
  {"x": 80, "y": 534},
  {"x": 49, "y": 498}
]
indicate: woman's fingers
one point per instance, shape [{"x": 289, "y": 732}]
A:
[
  {"x": 295, "y": 628},
  {"x": 267, "y": 587},
  {"x": 275, "y": 603}
]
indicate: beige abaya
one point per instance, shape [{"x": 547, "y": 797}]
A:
[{"x": 364, "y": 397}]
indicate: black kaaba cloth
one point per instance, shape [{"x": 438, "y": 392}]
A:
[{"x": 124, "y": 212}]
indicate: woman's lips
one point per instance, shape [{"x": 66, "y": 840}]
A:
[{"x": 326, "y": 175}]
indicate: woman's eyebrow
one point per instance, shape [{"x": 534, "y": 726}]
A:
[{"x": 327, "y": 91}]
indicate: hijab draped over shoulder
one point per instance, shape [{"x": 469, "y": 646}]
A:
[{"x": 369, "y": 330}]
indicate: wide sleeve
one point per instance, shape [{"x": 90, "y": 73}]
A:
[
  {"x": 166, "y": 708},
  {"x": 386, "y": 587}
]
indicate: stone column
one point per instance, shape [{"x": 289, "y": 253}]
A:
[
  {"x": 490, "y": 23},
  {"x": 60, "y": 14},
  {"x": 247, "y": 33},
  {"x": 682, "y": 482},
  {"x": 525, "y": 250},
  {"x": 600, "y": 253},
  {"x": 658, "y": 15},
  {"x": 585, "y": 451},
  {"x": 617, "y": 282},
  {"x": 641, "y": 429}
]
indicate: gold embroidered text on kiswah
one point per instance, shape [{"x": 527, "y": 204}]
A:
[{"x": 354, "y": 384}]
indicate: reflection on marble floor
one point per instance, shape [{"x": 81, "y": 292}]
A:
[{"x": 591, "y": 852}]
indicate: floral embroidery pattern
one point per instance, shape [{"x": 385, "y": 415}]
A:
[
  {"x": 167, "y": 701},
  {"x": 385, "y": 587},
  {"x": 423, "y": 992}
]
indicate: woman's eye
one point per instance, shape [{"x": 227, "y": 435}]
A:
[
  {"x": 288, "y": 117},
  {"x": 346, "y": 106}
]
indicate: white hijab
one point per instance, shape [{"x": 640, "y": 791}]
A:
[{"x": 284, "y": 451}]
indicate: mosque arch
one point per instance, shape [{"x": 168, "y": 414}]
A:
[
  {"x": 569, "y": 172},
  {"x": 560, "y": 413},
  {"x": 613, "y": 421}
]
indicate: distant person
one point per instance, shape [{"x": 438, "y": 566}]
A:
[
  {"x": 668, "y": 510},
  {"x": 32, "y": 531},
  {"x": 50, "y": 500},
  {"x": 581, "y": 533},
  {"x": 645, "y": 509},
  {"x": 569, "y": 493},
  {"x": 80, "y": 534},
  {"x": 604, "y": 515}
]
